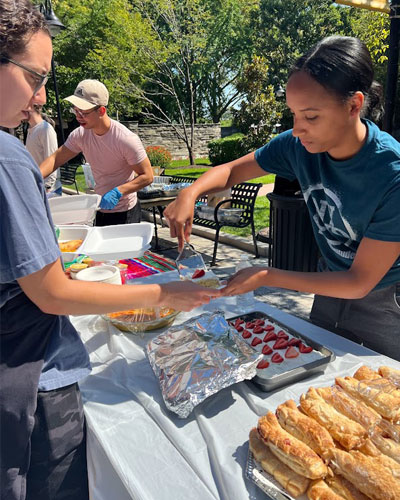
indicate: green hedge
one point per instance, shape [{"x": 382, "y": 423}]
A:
[{"x": 226, "y": 149}]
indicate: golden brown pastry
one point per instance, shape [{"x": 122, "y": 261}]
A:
[
  {"x": 387, "y": 405},
  {"x": 341, "y": 486},
  {"x": 363, "y": 472},
  {"x": 293, "y": 483},
  {"x": 290, "y": 450},
  {"x": 304, "y": 428},
  {"x": 388, "y": 429},
  {"x": 70, "y": 246},
  {"x": 366, "y": 373},
  {"x": 387, "y": 446},
  {"x": 350, "y": 407},
  {"x": 319, "y": 490},
  {"x": 347, "y": 432},
  {"x": 390, "y": 373},
  {"x": 391, "y": 465}
]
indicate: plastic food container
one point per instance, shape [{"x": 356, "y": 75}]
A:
[
  {"x": 100, "y": 274},
  {"x": 124, "y": 241},
  {"x": 67, "y": 233},
  {"x": 74, "y": 209},
  {"x": 230, "y": 215},
  {"x": 143, "y": 319}
]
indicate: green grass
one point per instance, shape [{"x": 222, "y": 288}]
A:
[{"x": 186, "y": 163}]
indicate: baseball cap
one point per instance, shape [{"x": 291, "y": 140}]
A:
[{"x": 89, "y": 93}]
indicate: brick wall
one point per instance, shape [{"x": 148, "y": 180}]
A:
[{"x": 165, "y": 135}]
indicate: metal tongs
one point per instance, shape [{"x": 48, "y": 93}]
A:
[{"x": 189, "y": 261}]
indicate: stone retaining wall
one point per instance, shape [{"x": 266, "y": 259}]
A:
[{"x": 165, "y": 135}]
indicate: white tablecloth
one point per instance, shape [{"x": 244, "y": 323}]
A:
[{"x": 139, "y": 450}]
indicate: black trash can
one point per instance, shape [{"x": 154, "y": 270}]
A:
[{"x": 293, "y": 245}]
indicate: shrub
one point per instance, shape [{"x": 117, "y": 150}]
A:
[
  {"x": 159, "y": 156},
  {"x": 226, "y": 149}
]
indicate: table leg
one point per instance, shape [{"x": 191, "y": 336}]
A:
[{"x": 155, "y": 229}]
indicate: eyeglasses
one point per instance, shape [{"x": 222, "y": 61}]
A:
[
  {"x": 39, "y": 79},
  {"x": 78, "y": 112}
]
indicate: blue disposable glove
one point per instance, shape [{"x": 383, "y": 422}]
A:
[{"x": 110, "y": 199}]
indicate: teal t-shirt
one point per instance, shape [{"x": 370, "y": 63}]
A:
[{"x": 348, "y": 199}]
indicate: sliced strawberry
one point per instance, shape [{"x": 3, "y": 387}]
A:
[
  {"x": 250, "y": 324},
  {"x": 256, "y": 341},
  {"x": 280, "y": 344},
  {"x": 258, "y": 329},
  {"x": 304, "y": 349},
  {"x": 291, "y": 352},
  {"x": 270, "y": 336},
  {"x": 259, "y": 322},
  {"x": 276, "y": 358},
  {"x": 282, "y": 335},
  {"x": 239, "y": 321},
  {"x": 246, "y": 334},
  {"x": 263, "y": 364},
  {"x": 266, "y": 349},
  {"x": 269, "y": 328},
  {"x": 239, "y": 328},
  {"x": 198, "y": 274},
  {"x": 294, "y": 341}
]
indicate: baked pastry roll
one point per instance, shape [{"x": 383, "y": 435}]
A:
[
  {"x": 390, "y": 430},
  {"x": 350, "y": 407},
  {"x": 293, "y": 483},
  {"x": 342, "y": 487},
  {"x": 304, "y": 428},
  {"x": 370, "y": 478},
  {"x": 290, "y": 450},
  {"x": 391, "y": 465},
  {"x": 387, "y": 405},
  {"x": 347, "y": 432},
  {"x": 390, "y": 373},
  {"x": 319, "y": 490},
  {"x": 376, "y": 380},
  {"x": 70, "y": 246},
  {"x": 387, "y": 446},
  {"x": 366, "y": 373}
]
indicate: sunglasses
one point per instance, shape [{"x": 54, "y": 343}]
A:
[
  {"x": 78, "y": 112},
  {"x": 39, "y": 79}
]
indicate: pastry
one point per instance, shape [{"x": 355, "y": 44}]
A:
[
  {"x": 319, "y": 490},
  {"x": 387, "y": 405},
  {"x": 294, "y": 484},
  {"x": 70, "y": 246},
  {"x": 290, "y": 450},
  {"x": 385, "y": 461},
  {"x": 390, "y": 430},
  {"x": 370, "y": 478},
  {"x": 390, "y": 373},
  {"x": 387, "y": 446},
  {"x": 347, "y": 432},
  {"x": 350, "y": 407},
  {"x": 342, "y": 487},
  {"x": 366, "y": 373},
  {"x": 304, "y": 428}
]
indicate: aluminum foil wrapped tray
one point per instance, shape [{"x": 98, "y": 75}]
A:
[{"x": 199, "y": 358}]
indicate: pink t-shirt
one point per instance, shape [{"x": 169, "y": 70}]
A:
[{"x": 111, "y": 157}]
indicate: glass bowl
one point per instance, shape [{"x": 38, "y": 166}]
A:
[{"x": 142, "y": 319}]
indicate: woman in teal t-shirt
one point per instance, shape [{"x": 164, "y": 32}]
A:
[{"x": 349, "y": 172}]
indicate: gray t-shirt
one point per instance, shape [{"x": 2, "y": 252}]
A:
[{"x": 27, "y": 244}]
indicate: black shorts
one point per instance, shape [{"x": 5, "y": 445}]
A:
[{"x": 114, "y": 218}]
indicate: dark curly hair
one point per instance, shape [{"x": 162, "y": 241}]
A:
[{"x": 19, "y": 20}]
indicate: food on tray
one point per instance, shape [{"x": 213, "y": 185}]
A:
[
  {"x": 304, "y": 428},
  {"x": 329, "y": 420},
  {"x": 290, "y": 450},
  {"x": 199, "y": 273},
  {"x": 140, "y": 315},
  {"x": 294, "y": 483},
  {"x": 282, "y": 350},
  {"x": 371, "y": 478},
  {"x": 385, "y": 404},
  {"x": 209, "y": 282},
  {"x": 70, "y": 245},
  {"x": 390, "y": 373},
  {"x": 347, "y": 432}
]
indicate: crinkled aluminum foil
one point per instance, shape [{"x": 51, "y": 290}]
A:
[{"x": 199, "y": 358}]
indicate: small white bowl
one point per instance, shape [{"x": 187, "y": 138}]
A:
[{"x": 101, "y": 274}]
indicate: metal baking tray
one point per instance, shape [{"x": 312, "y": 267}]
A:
[
  {"x": 264, "y": 481},
  {"x": 292, "y": 375}
]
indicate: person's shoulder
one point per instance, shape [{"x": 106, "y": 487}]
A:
[
  {"x": 12, "y": 148},
  {"x": 122, "y": 130},
  {"x": 382, "y": 141}
]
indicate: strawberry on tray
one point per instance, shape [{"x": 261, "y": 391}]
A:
[{"x": 288, "y": 355}]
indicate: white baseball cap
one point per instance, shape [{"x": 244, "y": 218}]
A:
[{"x": 89, "y": 93}]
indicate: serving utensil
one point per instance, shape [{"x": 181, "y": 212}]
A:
[{"x": 189, "y": 261}]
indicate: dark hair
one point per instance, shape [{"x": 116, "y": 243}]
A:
[
  {"x": 19, "y": 20},
  {"x": 343, "y": 66}
]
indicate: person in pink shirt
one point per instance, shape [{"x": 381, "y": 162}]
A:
[{"x": 116, "y": 155}]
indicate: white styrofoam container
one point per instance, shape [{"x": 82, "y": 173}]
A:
[
  {"x": 122, "y": 241},
  {"x": 72, "y": 233},
  {"x": 74, "y": 209}
]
